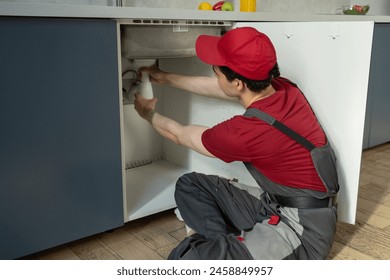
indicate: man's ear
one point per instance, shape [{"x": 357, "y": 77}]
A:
[{"x": 240, "y": 85}]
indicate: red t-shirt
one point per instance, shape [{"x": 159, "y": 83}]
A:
[{"x": 274, "y": 154}]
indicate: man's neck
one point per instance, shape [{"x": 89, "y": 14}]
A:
[{"x": 250, "y": 97}]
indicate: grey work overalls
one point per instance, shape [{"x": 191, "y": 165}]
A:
[{"x": 234, "y": 221}]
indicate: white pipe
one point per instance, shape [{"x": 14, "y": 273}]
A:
[
  {"x": 145, "y": 87},
  {"x": 142, "y": 143}
]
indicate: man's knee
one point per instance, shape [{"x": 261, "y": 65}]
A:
[
  {"x": 185, "y": 187},
  {"x": 185, "y": 181}
]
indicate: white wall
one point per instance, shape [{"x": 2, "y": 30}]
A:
[
  {"x": 301, "y": 6},
  {"x": 67, "y": 2},
  {"x": 377, "y": 7}
]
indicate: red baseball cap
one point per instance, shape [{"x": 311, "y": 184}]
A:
[{"x": 245, "y": 50}]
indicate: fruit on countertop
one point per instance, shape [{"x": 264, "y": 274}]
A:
[
  {"x": 205, "y": 6},
  {"x": 217, "y": 6},
  {"x": 356, "y": 9},
  {"x": 227, "y": 6}
]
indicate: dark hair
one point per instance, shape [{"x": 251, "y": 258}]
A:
[{"x": 253, "y": 85}]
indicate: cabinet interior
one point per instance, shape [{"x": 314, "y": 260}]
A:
[{"x": 152, "y": 163}]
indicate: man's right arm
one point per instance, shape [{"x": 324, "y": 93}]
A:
[{"x": 200, "y": 85}]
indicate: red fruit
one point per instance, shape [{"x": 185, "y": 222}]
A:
[
  {"x": 358, "y": 8},
  {"x": 218, "y": 6}
]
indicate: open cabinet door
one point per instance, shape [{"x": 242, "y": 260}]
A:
[{"x": 330, "y": 62}]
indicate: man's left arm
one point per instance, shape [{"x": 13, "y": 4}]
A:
[{"x": 189, "y": 136}]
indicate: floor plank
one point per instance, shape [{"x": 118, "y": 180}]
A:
[
  {"x": 127, "y": 246},
  {"x": 342, "y": 252}
]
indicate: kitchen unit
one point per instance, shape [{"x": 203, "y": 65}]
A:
[
  {"x": 69, "y": 143},
  {"x": 153, "y": 164},
  {"x": 61, "y": 171},
  {"x": 377, "y": 129}
]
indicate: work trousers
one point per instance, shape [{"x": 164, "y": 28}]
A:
[{"x": 218, "y": 209}]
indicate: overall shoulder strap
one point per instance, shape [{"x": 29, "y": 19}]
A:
[{"x": 253, "y": 112}]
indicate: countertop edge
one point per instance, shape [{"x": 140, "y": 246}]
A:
[{"x": 125, "y": 13}]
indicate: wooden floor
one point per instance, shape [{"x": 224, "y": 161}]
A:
[{"x": 152, "y": 238}]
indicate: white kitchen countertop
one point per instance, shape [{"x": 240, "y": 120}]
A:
[{"x": 123, "y": 13}]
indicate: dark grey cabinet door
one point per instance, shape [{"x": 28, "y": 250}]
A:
[
  {"x": 377, "y": 124},
  {"x": 60, "y": 154}
]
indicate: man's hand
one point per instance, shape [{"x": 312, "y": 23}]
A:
[{"x": 156, "y": 75}]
